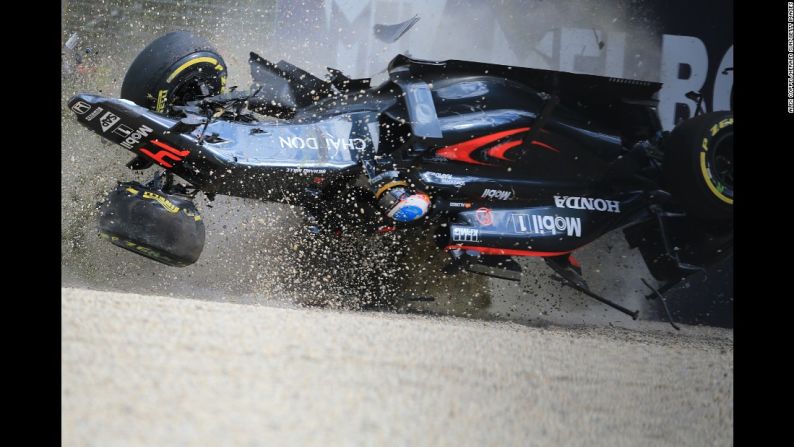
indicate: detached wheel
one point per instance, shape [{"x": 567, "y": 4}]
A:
[
  {"x": 698, "y": 165},
  {"x": 174, "y": 69},
  {"x": 151, "y": 223}
]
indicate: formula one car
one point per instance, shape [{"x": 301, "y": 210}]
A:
[{"x": 513, "y": 161}]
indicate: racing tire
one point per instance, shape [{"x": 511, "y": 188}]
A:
[
  {"x": 698, "y": 165},
  {"x": 174, "y": 69},
  {"x": 163, "y": 227}
]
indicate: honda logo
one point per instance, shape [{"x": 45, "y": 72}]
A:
[{"x": 81, "y": 107}]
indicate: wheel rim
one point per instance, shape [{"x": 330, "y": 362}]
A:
[
  {"x": 196, "y": 76},
  {"x": 192, "y": 87}
]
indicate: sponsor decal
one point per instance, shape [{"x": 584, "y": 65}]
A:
[
  {"x": 108, "y": 120},
  {"x": 170, "y": 207},
  {"x": 81, "y": 107},
  {"x": 93, "y": 114},
  {"x": 122, "y": 130},
  {"x": 442, "y": 179},
  {"x": 135, "y": 247},
  {"x": 167, "y": 152},
  {"x": 167, "y": 204},
  {"x": 135, "y": 137},
  {"x": 330, "y": 143},
  {"x": 460, "y": 204},
  {"x": 585, "y": 203},
  {"x": 161, "y": 100},
  {"x": 305, "y": 171},
  {"x": 496, "y": 194},
  {"x": 545, "y": 225},
  {"x": 462, "y": 234},
  {"x": 484, "y": 216},
  {"x": 198, "y": 60}
]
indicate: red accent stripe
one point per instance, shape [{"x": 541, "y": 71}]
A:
[
  {"x": 506, "y": 251},
  {"x": 169, "y": 152},
  {"x": 386, "y": 229},
  {"x": 159, "y": 157},
  {"x": 499, "y": 150},
  {"x": 544, "y": 145},
  {"x": 462, "y": 151},
  {"x": 169, "y": 148},
  {"x": 574, "y": 262}
]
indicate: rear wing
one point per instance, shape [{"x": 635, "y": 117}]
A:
[
  {"x": 627, "y": 106},
  {"x": 569, "y": 86}
]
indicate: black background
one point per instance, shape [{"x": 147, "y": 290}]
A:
[{"x": 31, "y": 206}]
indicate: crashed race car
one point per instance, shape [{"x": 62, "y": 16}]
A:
[{"x": 498, "y": 161}]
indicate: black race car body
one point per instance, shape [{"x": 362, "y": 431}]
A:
[{"x": 516, "y": 161}]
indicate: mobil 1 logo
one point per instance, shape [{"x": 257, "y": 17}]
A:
[{"x": 545, "y": 224}]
